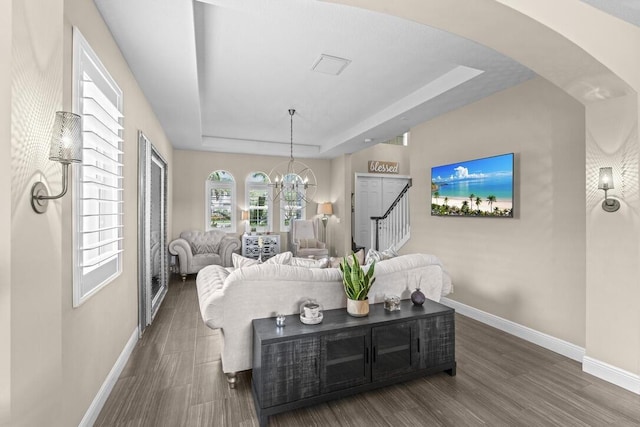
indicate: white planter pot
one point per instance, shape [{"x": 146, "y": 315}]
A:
[{"x": 358, "y": 308}]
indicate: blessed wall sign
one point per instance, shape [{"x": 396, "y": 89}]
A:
[{"x": 376, "y": 166}]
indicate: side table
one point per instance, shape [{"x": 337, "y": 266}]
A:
[{"x": 270, "y": 245}]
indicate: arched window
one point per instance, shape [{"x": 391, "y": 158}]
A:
[
  {"x": 292, "y": 204},
  {"x": 258, "y": 201},
  {"x": 220, "y": 202}
]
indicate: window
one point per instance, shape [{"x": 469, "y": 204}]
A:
[
  {"x": 399, "y": 140},
  {"x": 292, "y": 204},
  {"x": 258, "y": 201},
  {"x": 221, "y": 193},
  {"x": 98, "y": 183}
]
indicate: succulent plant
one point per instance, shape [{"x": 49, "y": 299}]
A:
[{"x": 356, "y": 282}]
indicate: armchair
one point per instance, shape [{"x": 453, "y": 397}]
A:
[
  {"x": 304, "y": 239},
  {"x": 198, "y": 249}
]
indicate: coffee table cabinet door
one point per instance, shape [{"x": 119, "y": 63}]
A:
[
  {"x": 345, "y": 360},
  {"x": 394, "y": 350},
  {"x": 437, "y": 340},
  {"x": 290, "y": 371}
]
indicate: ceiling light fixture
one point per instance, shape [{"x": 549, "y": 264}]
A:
[
  {"x": 293, "y": 181},
  {"x": 328, "y": 64}
]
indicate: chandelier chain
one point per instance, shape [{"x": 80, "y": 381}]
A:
[{"x": 291, "y": 113}]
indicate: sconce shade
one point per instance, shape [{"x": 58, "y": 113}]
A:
[
  {"x": 66, "y": 140},
  {"x": 325, "y": 208},
  {"x": 66, "y": 148},
  {"x": 606, "y": 179},
  {"x": 245, "y": 215}
]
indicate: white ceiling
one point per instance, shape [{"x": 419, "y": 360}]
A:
[{"x": 221, "y": 74}]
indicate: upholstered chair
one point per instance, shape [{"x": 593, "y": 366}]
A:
[
  {"x": 305, "y": 239},
  {"x": 198, "y": 249}
]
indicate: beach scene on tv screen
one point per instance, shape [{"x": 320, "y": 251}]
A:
[{"x": 481, "y": 187}]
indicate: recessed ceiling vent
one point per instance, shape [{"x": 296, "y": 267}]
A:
[{"x": 328, "y": 64}]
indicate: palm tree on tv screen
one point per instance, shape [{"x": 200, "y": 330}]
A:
[{"x": 491, "y": 198}]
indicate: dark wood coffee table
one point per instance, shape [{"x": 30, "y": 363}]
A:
[{"x": 300, "y": 365}]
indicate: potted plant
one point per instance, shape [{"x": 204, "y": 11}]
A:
[{"x": 356, "y": 285}]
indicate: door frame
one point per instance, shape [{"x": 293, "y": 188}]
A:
[
  {"x": 147, "y": 304},
  {"x": 355, "y": 195}
]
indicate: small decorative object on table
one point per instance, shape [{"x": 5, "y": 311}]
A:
[
  {"x": 280, "y": 318},
  {"x": 392, "y": 303},
  {"x": 311, "y": 312},
  {"x": 417, "y": 297}
]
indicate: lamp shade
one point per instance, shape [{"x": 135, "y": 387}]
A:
[
  {"x": 325, "y": 208},
  {"x": 66, "y": 140},
  {"x": 245, "y": 215},
  {"x": 606, "y": 179}
]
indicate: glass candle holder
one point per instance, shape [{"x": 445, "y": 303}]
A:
[{"x": 280, "y": 319}]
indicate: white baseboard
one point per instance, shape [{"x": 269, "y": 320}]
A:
[
  {"x": 612, "y": 374},
  {"x": 604, "y": 371},
  {"x": 554, "y": 344},
  {"x": 92, "y": 413}
]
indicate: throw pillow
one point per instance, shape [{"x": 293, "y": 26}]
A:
[
  {"x": 204, "y": 248},
  {"x": 323, "y": 263},
  {"x": 284, "y": 258},
  {"x": 360, "y": 256},
  {"x": 239, "y": 261},
  {"x": 373, "y": 255},
  {"x": 334, "y": 262},
  {"x": 310, "y": 263}
]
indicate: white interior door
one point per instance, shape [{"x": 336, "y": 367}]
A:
[{"x": 374, "y": 194}]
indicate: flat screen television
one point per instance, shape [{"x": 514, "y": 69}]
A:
[{"x": 478, "y": 188}]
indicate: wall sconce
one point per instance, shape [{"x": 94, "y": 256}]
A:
[
  {"x": 66, "y": 148},
  {"x": 325, "y": 209},
  {"x": 606, "y": 183},
  {"x": 245, "y": 219}
]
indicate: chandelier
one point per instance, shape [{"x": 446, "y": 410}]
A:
[{"x": 293, "y": 182}]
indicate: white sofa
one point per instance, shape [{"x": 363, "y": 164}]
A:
[{"x": 230, "y": 299}]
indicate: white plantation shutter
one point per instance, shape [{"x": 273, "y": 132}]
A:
[{"x": 98, "y": 191}]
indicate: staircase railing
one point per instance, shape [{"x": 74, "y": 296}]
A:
[{"x": 394, "y": 227}]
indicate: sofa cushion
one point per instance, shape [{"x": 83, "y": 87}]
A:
[
  {"x": 202, "y": 260},
  {"x": 308, "y": 243}
]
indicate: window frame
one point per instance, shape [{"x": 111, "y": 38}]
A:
[
  {"x": 227, "y": 185},
  {"x": 252, "y": 185},
  {"x": 110, "y": 168}
]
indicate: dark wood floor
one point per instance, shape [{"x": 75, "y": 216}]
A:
[{"x": 174, "y": 378}]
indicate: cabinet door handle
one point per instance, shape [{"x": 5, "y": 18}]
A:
[
  {"x": 366, "y": 355},
  {"x": 374, "y": 355},
  {"x": 418, "y": 345}
]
